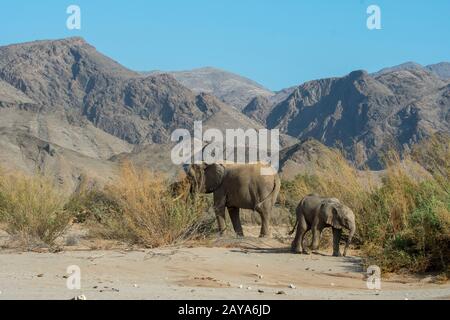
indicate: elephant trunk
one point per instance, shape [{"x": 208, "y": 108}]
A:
[{"x": 350, "y": 236}]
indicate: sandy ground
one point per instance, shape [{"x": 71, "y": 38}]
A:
[{"x": 248, "y": 268}]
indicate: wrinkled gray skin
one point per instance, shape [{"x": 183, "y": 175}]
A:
[
  {"x": 236, "y": 186},
  {"x": 316, "y": 213}
]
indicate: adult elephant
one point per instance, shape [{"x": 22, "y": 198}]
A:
[
  {"x": 316, "y": 213},
  {"x": 237, "y": 186}
]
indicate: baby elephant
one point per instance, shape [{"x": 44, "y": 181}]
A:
[{"x": 316, "y": 213}]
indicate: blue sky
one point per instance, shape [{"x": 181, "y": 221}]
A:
[{"x": 277, "y": 43}]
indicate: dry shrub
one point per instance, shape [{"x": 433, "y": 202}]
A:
[
  {"x": 408, "y": 225},
  {"x": 404, "y": 223},
  {"x": 31, "y": 209},
  {"x": 434, "y": 155},
  {"x": 140, "y": 209},
  {"x": 90, "y": 204}
]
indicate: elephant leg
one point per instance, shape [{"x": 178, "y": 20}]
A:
[
  {"x": 264, "y": 212},
  {"x": 236, "y": 221},
  {"x": 302, "y": 240},
  {"x": 302, "y": 228},
  {"x": 220, "y": 215},
  {"x": 219, "y": 209},
  {"x": 316, "y": 232},
  {"x": 336, "y": 240}
]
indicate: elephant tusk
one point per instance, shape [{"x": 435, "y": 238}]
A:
[
  {"x": 180, "y": 196},
  {"x": 177, "y": 198}
]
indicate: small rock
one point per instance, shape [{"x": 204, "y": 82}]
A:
[
  {"x": 40, "y": 275},
  {"x": 291, "y": 286},
  {"x": 240, "y": 286},
  {"x": 260, "y": 291},
  {"x": 135, "y": 285},
  {"x": 249, "y": 288},
  {"x": 81, "y": 297},
  {"x": 406, "y": 298},
  {"x": 193, "y": 290},
  {"x": 115, "y": 290},
  {"x": 306, "y": 268},
  {"x": 281, "y": 292},
  {"x": 260, "y": 276},
  {"x": 258, "y": 265},
  {"x": 94, "y": 287},
  {"x": 329, "y": 269},
  {"x": 332, "y": 284}
]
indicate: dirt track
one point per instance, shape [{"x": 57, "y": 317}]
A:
[{"x": 215, "y": 272}]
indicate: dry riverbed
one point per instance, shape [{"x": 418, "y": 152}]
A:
[{"x": 248, "y": 268}]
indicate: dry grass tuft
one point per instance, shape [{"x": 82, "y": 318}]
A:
[
  {"x": 402, "y": 224},
  {"x": 32, "y": 209},
  {"x": 140, "y": 209}
]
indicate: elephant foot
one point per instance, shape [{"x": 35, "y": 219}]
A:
[
  {"x": 240, "y": 235},
  {"x": 315, "y": 252},
  {"x": 221, "y": 233},
  {"x": 305, "y": 252},
  {"x": 263, "y": 236},
  {"x": 337, "y": 254}
]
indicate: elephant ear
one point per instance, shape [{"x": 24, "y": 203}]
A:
[
  {"x": 331, "y": 215},
  {"x": 214, "y": 174},
  {"x": 196, "y": 177}
]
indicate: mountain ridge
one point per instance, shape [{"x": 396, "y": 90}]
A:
[
  {"x": 63, "y": 103},
  {"x": 366, "y": 114},
  {"x": 228, "y": 87}
]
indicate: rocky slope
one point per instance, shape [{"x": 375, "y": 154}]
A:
[
  {"x": 68, "y": 110},
  {"x": 71, "y": 75},
  {"x": 228, "y": 87},
  {"x": 366, "y": 115},
  {"x": 441, "y": 69},
  {"x": 65, "y": 96}
]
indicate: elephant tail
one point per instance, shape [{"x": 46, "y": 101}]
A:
[
  {"x": 295, "y": 227},
  {"x": 299, "y": 207},
  {"x": 276, "y": 189}
]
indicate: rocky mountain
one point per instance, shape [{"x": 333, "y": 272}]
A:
[
  {"x": 410, "y": 65},
  {"x": 366, "y": 115},
  {"x": 258, "y": 108},
  {"x": 228, "y": 87},
  {"x": 441, "y": 69},
  {"x": 66, "y": 108},
  {"x": 71, "y": 75},
  {"x": 10, "y": 96},
  {"x": 69, "y": 111}
]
